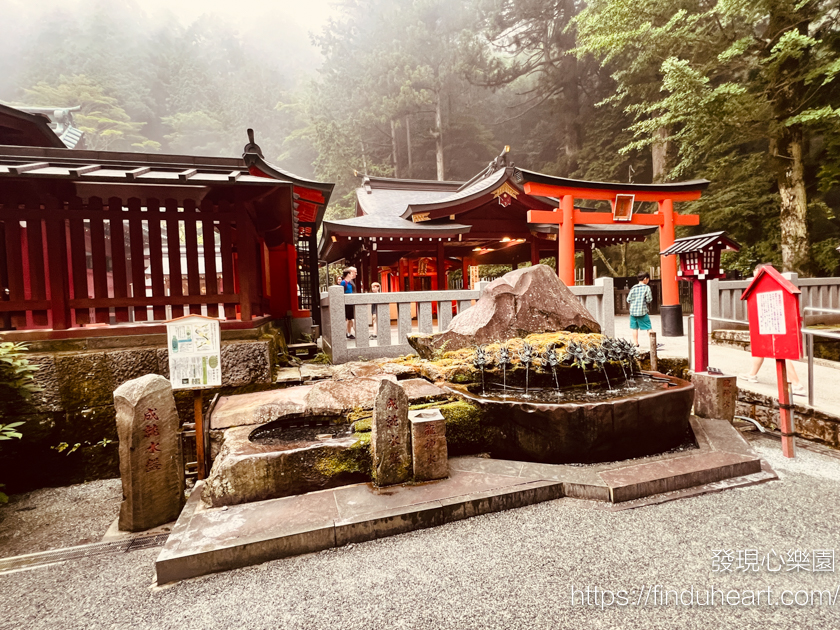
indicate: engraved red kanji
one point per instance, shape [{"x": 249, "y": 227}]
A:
[
  {"x": 430, "y": 429},
  {"x": 153, "y": 463},
  {"x": 150, "y": 414},
  {"x": 392, "y": 404},
  {"x": 154, "y": 447},
  {"x": 150, "y": 430},
  {"x": 431, "y": 458},
  {"x": 395, "y": 440},
  {"x": 392, "y": 422},
  {"x": 394, "y": 458}
]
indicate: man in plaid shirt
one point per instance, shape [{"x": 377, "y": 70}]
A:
[{"x": 638, "y": 299}]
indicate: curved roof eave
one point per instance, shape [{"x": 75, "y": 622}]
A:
[{"x": 479, "y": 188}]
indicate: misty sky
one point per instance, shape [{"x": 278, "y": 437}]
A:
[{"x": 259, "y": 17}]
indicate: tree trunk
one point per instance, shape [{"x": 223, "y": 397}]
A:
[
  {"x": 659, "y": 155},
  {"x": 395, "y": 162},
  {"x": 610, "y": 269},
  {"x": 408, "y": 143},
  {"x": 786, "y": 149},
  {"x": 439, "y": 137}
]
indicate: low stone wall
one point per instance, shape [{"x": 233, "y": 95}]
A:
[
  {"x": 808, "y": 423},
  {"x": 76, "y": 405}
]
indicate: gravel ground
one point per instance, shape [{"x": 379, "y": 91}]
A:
[
  {"x": 514, "y": 569},
  {"x": 52, "y": 518}
]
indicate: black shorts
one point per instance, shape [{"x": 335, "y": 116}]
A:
[{"x": 349, "y": 312}]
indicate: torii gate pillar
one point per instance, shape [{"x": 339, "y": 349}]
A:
[{"x": 566, "y": 241}]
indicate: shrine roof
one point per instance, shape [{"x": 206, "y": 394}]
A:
[
  {"x": 403, "y": 198},
  {"x": 112, "y": 166},
  {"x": 23, "y": 128},
  {"x": 467, "y": 191},
  {"x": 390, "y": 197},
  {"x": 700, "y": 242},
  {"x": 388, "y": 227}
]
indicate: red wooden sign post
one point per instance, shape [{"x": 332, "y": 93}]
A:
[{"x": 775, "y": 325}]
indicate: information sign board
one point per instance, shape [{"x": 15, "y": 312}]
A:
[{"x": 195, "y": 360}]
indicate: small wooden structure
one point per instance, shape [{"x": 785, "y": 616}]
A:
[
  {"x": 101, "y": 243},
  {"x": 700, "y": 262}
]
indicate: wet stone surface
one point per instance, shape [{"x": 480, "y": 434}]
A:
[
  {"x": 596, "y": 393},
  {"x": 300, "y": 433}
]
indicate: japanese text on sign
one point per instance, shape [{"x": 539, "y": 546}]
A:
[{"x": 771, "y": 313}]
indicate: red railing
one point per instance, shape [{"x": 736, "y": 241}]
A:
[{"x": 112, "y": 262}]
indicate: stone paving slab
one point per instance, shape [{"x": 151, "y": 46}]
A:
[
  {"x": 322, "y": 397},
  {"x": 288, "y": 375},
  {"x": 259, "y": 407},
  {"x": 361, "y": 499},
  {"x": 316, "y": 372},
  {"x": 206, "y": 540},
  {"x": 643, "y": 480}
]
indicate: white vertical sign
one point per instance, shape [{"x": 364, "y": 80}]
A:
[
  {"x": 194, "y": 346},
  {"x": 771, "y": 313}
]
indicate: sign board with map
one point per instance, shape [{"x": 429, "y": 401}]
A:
[{"x": 194, "y": 349}]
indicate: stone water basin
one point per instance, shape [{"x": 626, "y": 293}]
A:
[
  {"x": 623, "y": 426},
  {"x": 290, "y": 456}
]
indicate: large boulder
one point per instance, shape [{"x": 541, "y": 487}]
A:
[{"x": 520, "y": 303}]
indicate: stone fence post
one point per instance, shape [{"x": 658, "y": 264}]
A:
[
  {"x": 607, "y": 305},
  {"x": 338, "y": 324}
]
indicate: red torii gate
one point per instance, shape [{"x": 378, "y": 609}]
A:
[{"x": 567, "y": 190}]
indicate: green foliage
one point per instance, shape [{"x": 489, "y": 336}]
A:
[
  {"x": 17, "y": 383},
  {"x": 106, "y": 124},
  {"x": 17, "y": 375},
  {"x": 731, "y": 87},
  {"x": 9, "y": 431}
]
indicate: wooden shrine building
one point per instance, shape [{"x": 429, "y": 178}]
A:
[
  {"x": 122, "y": 241},
  {"x": 410, "y": 234}
]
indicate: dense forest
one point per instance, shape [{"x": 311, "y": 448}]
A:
[{"x": 743, "y": 93}]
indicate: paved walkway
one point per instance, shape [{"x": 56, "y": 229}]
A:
[
  {"x": 514, "y": 569},
  {"x": 735, "y": 361}
]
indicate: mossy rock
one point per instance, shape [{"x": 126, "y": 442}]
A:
[{"x": 353, "y": 460}]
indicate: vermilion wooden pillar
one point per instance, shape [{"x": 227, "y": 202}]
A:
[
  {"x": 588, "y": 276},
  {"x": 535, "y": 251},
  {"x": 441, "y": 267},
  {"x": 701, "y": 324},
  {"x": 465, "y": 273},
  {"x": 668, "y": 264},
  {"x": 412, "y": 271},
  {"x": 566, "y": 241}
]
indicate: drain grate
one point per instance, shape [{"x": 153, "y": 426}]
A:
[{"x": 16, "y": 563}]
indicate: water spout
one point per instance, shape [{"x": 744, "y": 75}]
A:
[
  {"x": 480, "y": 359},
  {"x": 551, "y": 359},
  {"x": 526, "y": 356},
  {"x": 504, "y": 361}
]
